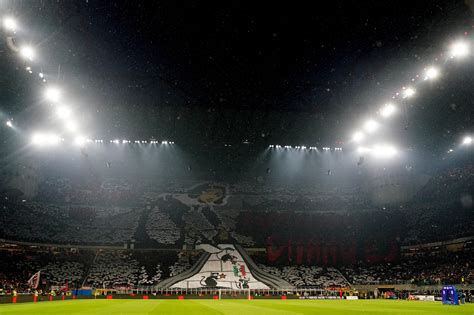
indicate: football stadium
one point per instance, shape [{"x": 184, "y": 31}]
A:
[{"x": 236, "y": 157}]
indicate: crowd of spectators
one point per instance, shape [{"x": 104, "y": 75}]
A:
[
  {"x": 161, "y": 228},
  {"x": 453, "y": 182},
  {"x": 308, "y": 276},
  {"x": 51, "y": 223},
  {"x": 58, "y": 267},
  {"x": 129, "y": 269},
  {"x": 422, "y": 270},
  {"x": 108, "y": 211},
  {"x": 108, "y": 192},
  {"x": 113, "y": 269}
]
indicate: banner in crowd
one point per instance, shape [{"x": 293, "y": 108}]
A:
[{"x": 34, "y": 280}]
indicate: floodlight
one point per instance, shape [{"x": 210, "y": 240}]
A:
[
  {"x": 63, "y": 112},
  {"x": 9, "y": 24},
  {"x": 467, "y": 140},
  {"x": 53, "y": 94},
  {"x": 408, "y": 92},
  {"x": 371, "y": 125},
  {"x": 358, "y": 136},
  {"x": 9, "y": 123},
  {"x": 79, "y": 141},
  {"x": 384, "y": 151},
  {"x": 388, "y": 110},
  {"x": 27, "y": 52},
  {"x": 37, "y": 138},
  {"x": 45, "y": 139},
  {"x": 52, "y": 139},
  {"x": 459, "y": 49},
  {"x": 432, "y": 73},
  {"x": 71, "y": 125},
  {"x": 363, "y": 150}
]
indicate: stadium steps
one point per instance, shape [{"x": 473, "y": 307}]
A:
[
  {"x": 262, "y": 276},
  {"x": 185, "y": 275}
]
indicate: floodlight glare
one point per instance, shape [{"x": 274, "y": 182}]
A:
[
  {"x": 408, "y": 92},
  {"x": 371, "y": 125},
  {"x": 53, "y": 94},
  {"x": 432, "y": 73},
  {"x": 37, "y": 138},
  {"x": 363, "y": 150},
  {"x": 79, "y": 141},
  {"x": 27, "y": 52},
  {"x": 45, "y": 139},
  {"x": 71, "y": 126},
  {"x": 467, "y": 140},
  {"x": 63, "y": 112},
  {"x": 384, "y": 151},
  {"x": 9, "y": 123},
  {"x": 388, "y": 110},
  {"x": 52, "y": 139},
  {"x": 459, "y": 49},
  {"x": 9, "y": 24},
  {"x": 358, "y": 136}
]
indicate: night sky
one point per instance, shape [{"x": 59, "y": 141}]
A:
[{"x": 224, "y": 72}]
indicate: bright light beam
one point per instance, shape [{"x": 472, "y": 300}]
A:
[
  {"x": 432, "y": 73},
  {"x": 384, "y": 151},
  {"x": 371, "y": 125},
  {"x": 358, "y": 136},
  {"x": 467, "y": 140},
  {"x": 408, "y": 92},
  {"x": 27, "y": 52},
  {"x": 80, "y": 141},
  {"x": 388, "y": 110},
  {"x": 52, "y": 94},
  {"x": 459, "y": 49},
  {"x": 71, "y": 126},
  {"x": 45, "y": 139},
  {"x": 9, "y": 24},
  {"x": 63, "y": 112},
  {"x": 9, "y": 123}
]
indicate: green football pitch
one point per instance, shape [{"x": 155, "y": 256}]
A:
[{"x": 237, "y": 307}]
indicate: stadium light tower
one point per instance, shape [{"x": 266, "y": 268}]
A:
[{"x": 9, "y": 24}]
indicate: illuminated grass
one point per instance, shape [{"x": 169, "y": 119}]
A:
[{"x": 237, "y": 307}]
